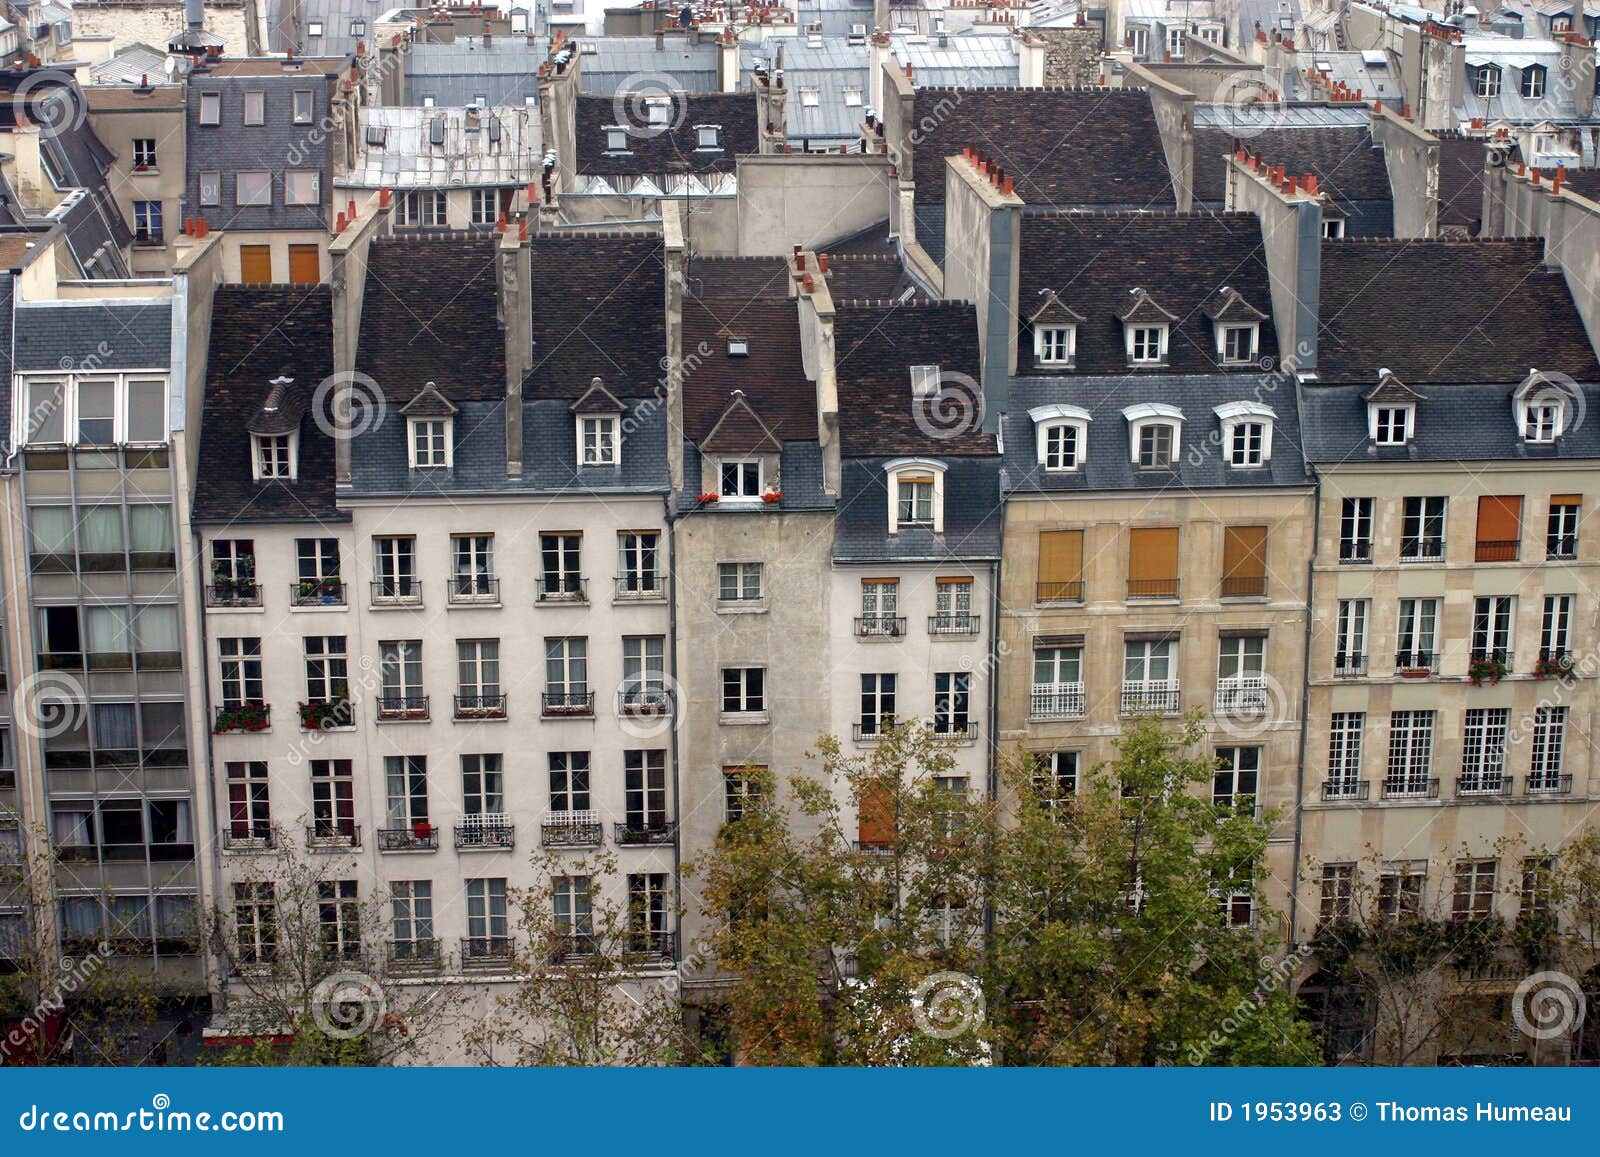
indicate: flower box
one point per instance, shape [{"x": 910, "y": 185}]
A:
[
  {"x": 325, "y": 714},
  {"x": 1553, "y": 669},
  {"x": 1482, "y": 671},
  {"x": 1416, "y": 672},
  {"x": 709, "y": 497},
  {"x": 245, "y": 717},
  {"x": 772, "y": 496}
]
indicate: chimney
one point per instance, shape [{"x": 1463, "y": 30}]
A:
[
  {"x": 728, "y": 62},
  {"x": 347, "y": 277},
  {"x": 1577, "y": 67},
  {"x": 814, "y": 301},
  {"x": 674, "y": 252},
  {"x": 1030, "y": 58},
  {"x": 516, "y": 319},
  {"x": 982, "y": 237},
  {"x": 1291, "y": 234},
  {"x": 1412, "y": 159},
  {"x": 558, "y": 110}
]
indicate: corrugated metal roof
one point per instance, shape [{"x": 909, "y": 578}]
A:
[
  {"x": 129, "y": 64},
  {"x": 407, "y": 158},
  {"x": 618, "y": 61},
  {"x": 504, "y": 72},
  {"x": 1287, "y": 116},
  {"x": 822, "y": 79},
  {"x": 958, "y": 61}
]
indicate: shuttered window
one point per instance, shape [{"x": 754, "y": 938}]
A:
[
  {"x": 875, "y": 817},
  {"x": 1153, "y": 562},
  {"x": 1244, "y": 561},
  {"x": 1499, "y": 528},
  {"x": 1060, "y": 566}
]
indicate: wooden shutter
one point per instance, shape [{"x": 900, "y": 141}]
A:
[
  {"x": 305, "y": 265},
  {"x": 1566, "y": 500},
  {"x": 1060, "y": 564},
  {"x": 1244, "y": 561},
  {"x": 1499, "y": 527},
  {"x": 875, "y": 817},
  {"x": 255, "y": 264},
  {"x": 1153, "y": 554}
]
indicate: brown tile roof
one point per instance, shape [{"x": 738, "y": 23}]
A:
[
  {"x": 599, "y": 311},
  {"x": 654, "y": 152},
  {"x": 124, "y": 98},
  {"x": 771, "y": 375}
]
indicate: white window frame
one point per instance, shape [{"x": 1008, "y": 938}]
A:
[
  {"x": 1381, "y": 423},
  {"x": 1055, "y": 345},
  {"x": 1049, "y": 419},
  {"x": 428, "y": 442},
  {"x": 708, "y": 138},
  {"x": 1486, "y": 80},
  {"x": 238, "y": 189},
  {"x": 290, "y": 197},
  {"x": 1154, "y": 413},
  {"x": 915, "y": 467},
  {"x": 255, "y": 108},
  {"x": 210, "y": 109},
  {"x": 1136, "y": 341},
  {"x": 598, "y": 440},
  {"x": 1240, "y": 416},
  {"x": 303, "y": 106},
  {"x": 740, "y": 493},
  {"x": 259, "y": 444},
  {"x": 1252, "y": 332}
]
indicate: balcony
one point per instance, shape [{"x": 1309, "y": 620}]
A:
[
  {"x": 1410, "y": 787},
  {"x": 1244, "y": 695},
  {"x": 1422, "y": 550},
  {"x": 1488, "y": 666},
  {"x": 645, "y": 833},
  {"x": 1152, "y": 589},
  {"x": 1140, "y": 696},
  {"x": 880, "y": 626},
  {"x": 485, "y": 833},
  {"x": 961, "y": 732},
  {"x": 247, "y": 839},
  {"x": 650, "y": 946},
  {"x": 1561, "y": 547},
  {"x": 480, "y": 707},
  {"x": 412, "y": 956},
  {"x": 226, "y": 593},
  {"x": 571, "y": 830},
  {"x": 1346, "y": 789},
  {"x": 1244, "y": 587},
  {"x": 473, "y": 590},
  {"x": 1349, "y": 666},
  {"x": 403, "y": 708},
  {"x": 642, "y": 701},
  {"x": 333, "y": 836},
  {"x": 1483, "y": 784},
  {"x": 1069, "y": 592},
  {"x": 1416, "y": 664},
  {"x": 1496, "y": 550},
  {"x": 566, "y": 703},
  {"x": 1355, "y": 550},
  {"x": 641, "y": 587},
  {"x": 416, "y": 838},
  {"x": 327, "y": 714},
  {"x": 1553, "y": 664},
  {"x": 1056, "y": 701},
  {"x": 1545, "y": 783},
  {"x": 317, "y": 593},
  {"x": 400, "y": 591},
  {"x": 955, "y": 624},
  {"x": 871, "y": 730},
  {"x": 560, "y": 588},
  {"x": 486, "y": 953},
  {"x": 571, "y": 947},
  {"x": 242, "y": 717}
]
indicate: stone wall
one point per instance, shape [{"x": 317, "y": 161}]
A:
[{"x": 1071, "y": 55}]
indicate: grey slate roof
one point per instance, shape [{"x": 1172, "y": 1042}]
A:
[
  {"x": 1109, "y": 464},
  {"x": 1349, "y": 165},
  {"x": 972, "y": 515},
  {"x": 799, "y": 466},
  {"x": 7, "y": 295},
  {"x": 131, "y": 62},
  {"x": 1454, "y": 423},
  {"x": 618, "y": 62},
  {"x": 503, "y": 72},
  {"x": 471, "y": 155},
  {"x": 53, "y": 334},
  {"x": 827, "y": 70}
]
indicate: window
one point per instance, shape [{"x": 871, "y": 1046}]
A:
[
  {"x": 302, "y": 187},
  {"x": 327, "y": 672},
  {"x": 333, "y": 807},
  {"x": 739, "y": 582},
  {"x": 211, "y": 108},
  {"x": 616, "y": 140},
  {"x": 644, "y": 790},
  {"x": 707, "y": 136},
  {"x": 253, "y": 187},
  {"x": 316, "y": 561},
  {"x": 925, "y": 382},
  {"x": 406, "y": 789},
  {"x": 1538, "y": 885},
  {"x": 411, "y": 904},
  {"x": 1155, "y": 446},
  {"x": 240, "y": 661},
  {"x": 1400, "y": 888},
  {"x": 1499, "y": 528},
  {"x": 1542, "y": 420},
  {"x": 340, "y": 918},
  {"x": 1338, "y": 894},
  {"x": 914, "y": 494},
  {"x": 1060, "y": 566},
  {"x": 303, "y": 106},
  {"x": 1422, "y": 530},
  {"x": 810, "y": 98},
  {"x": 255, "y": 922},
  {"x": 647, "y": 912},
  {"x": 1344, "y": 754},
  {"x": 485, "y": 206},
  {"x": 358, "y": 28},
  {"x": 1147, "y": 680},
  {"x": 1416, "y": 639},
  {"x": 313, "y": 29},
  {"x": 952, "y": 605},
  {"x": 1236, "y": 344},
  {"x": 1486, "y": 81},
  {"x": 1355, "y": 530},
  {"x": 1547, "y": 749},
  {"x": 1410, "y": 754},
  {"x": 400, "y": 675},
  {"x": 1474, "y": 892},
  {"x": 597, "y": 440},
  {"x": 1055, "y": 345},
  {"x": 1055, "y": 779},
  {"x": 472, "y": 568},
  {"x": 274, "y": 455},
  {"x": 1533, "y": 78},
  {"x": 740, "y": 480},
  {"x": 1391, "y": 425},
  {"x": 574, "y": 919},
  {"x": 1147, "y": 344},
  {"x": 1177, "y": 39},
  {"x": 1493, "y": 624},
  {"x": 1561, "y": 527},
  {"x": 740, "y": 791},
  {"x": 147, "y": 221},
  {"x": 395, "y": 565},
  {"x": 569, "y": 781},
  {"x": 952, "y": 702},
  {"x": 1153, "y": 562},
  {"x": 1240, "y": 676},
  {"x": 1061, "y": 451},
  {"x": 1057, "y": 690},
  {"x": 1555, "y": 631},
  {"x": 1234, "y": 784},
  {"x": 561, "y": 567},
  {"x": 486, "y": 918},
  {"x": 249, "y": 803},
  {"x": 482, "y": 785},
  {"x": 422, "y": 208},
  {"x": 1483, "y": 751},
  {"x": 880, "y": 602},
  {"x": 1139, "y": 41},
  {"x": 639, "y": 563},
  {"x": 852, "y": 98},
  {"x": 1244, "y": 562},
  {"x": 1247, "y": 443},
  {"x": 566, "y": 664},
  {"x": 96, "y": 412},
  {"x": 210, "y": 188},
  {"x": 478, "y": 675},
  {"x": 744, "y": 690},
  {"x": 644, "y": 671},
  {"x": 877, "y": 703}
]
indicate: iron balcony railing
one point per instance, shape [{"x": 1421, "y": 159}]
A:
[
  {"x": 1410, "y": 787},
  {"x": 647, "y": 700},
  {"x": 1547, "y": 783},
  {"x": 392, "y": 707},
  {"x": 234, "y": 593},
  {"x": 1496, "y": 550},
  {"x": 1161, "y": 696},
  {"x": 960, "y": 623},
  {"x": 650, "y": 944},
  {"x": 572, "y": 947},
  {"x": 1561, "y": 546},
  {"x": 400, "y": 591},
  {"x": 582, "y": 829},
  {"x": 249, "y": 838},
  {"x": 1421, "y": 549},
  {"x": 1483, "y": 783},
  {"x": 641, "y": 833},
  {"x": 567, "y": 702},
  {"x": 871, "y": 730},
  {"x": 486, "y": 952},
  {"x": 473, "y": 588},
  {"x": 1348, "y": 665},
  {"x": 961, "y": 731},
  {"x": 415, "y": 956},
  {"x": 416, "y": 838},
  {"x": 641, "y": 587},
  {"x": 480, "y": 707},
  {"x": 1153, "y": 588},
  {"x": 1241, "y": 695},
  {"x": 1335, "y": 789},
  {"x": 1416, "y": 662},
  {"x": 1492, "y": 656},
  {"x": 880, "y": 626},
  {"x": 561, "y": 588},
  {"x": 1355, "y": 550},
  {"x": 1059, "y": 592},
  {"x": 1056, "y": 701},
  {"x": 1244, "y": 586},
  {"x": 328, "y": 835},
  {"x": 317, "y": 593},
  {"x": 485, "y": 833}
]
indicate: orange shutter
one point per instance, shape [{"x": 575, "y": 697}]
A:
[
  {"x": 875, "y": 817},
  {"x": 1566, "y": 500},
  {"x": 1499, "y": 528},
  {"x": 305, "y": 264},
  {"x": 1153, "y": 554},
  {"x": 1060, "y": 564},
  {"x": 255, "y": 264},
  {"x": 1244, "y": 561}
]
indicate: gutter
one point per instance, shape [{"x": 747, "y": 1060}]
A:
[
  {"x": 672, "y": 673},
  {"x": 1305, "y": 709}
]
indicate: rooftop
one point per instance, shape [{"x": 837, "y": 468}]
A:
[{"x": 651, "y": 148}]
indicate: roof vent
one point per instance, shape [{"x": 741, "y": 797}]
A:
[{"x": 738, "y": 347}]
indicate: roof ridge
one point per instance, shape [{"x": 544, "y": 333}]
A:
[
  {"x": 894, "y": 303},
  {"x": 1100, "y": 88}
]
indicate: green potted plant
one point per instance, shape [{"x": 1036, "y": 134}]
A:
[
  {"x": 1489, "y": 670},
  {"x": 1553, "y": 666},
  {"x": 323, "y": 714}
]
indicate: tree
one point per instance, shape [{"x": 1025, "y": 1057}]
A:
[
  {"x": 309, "y": 981},
  {"x": 1112, "y": 942},
  {"x": 589, "y": 985},
  {"x": 855, "y": 944}
]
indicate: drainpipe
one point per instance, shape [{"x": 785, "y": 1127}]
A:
[
  {"x": 1305, "y": 709},
  {"x": 672, "y": 670},
  {"x": 207, "y": 715}
]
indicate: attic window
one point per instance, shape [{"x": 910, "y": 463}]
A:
[
  {"x": 1236, "y": 344},
  {"x": 1154, "y": 433},
  {"x": 480, "y": 100},
  {"x": 924, "y": 382},
  {"x": 304, "y": 106},
  {"x": 1055, "y": 345},
  {"x": 1533, "y": 78},
  {"x": 916, "y": 494},
  {"x": 428, "y": 102},
  {"x": 810, "y": 98},
  {"x": 739, "y": 479},
  {"x": 1486, "y": 81},
  {"x": 314, "y": 28},
  {"x": 852, "y": 98},
  {"x": 708, "y": 136},
  {"x": 1332, "y": 228},
  {"x": 1246, "y": 433},
  {"x": 1391, "y": 425},
  {"x": 377, "y": 136},
  {"x": 358, "y": 28},
  {"x": 1541, "y": 407},
  {"x": 436, "y": 131},
  {"x": 429, "y": 441},
  {"x": 1062, "y": 432},
  {"x": 738, "y": 347},
  {"x": 255, "y": 108},
  {"x": 597, "y": 440},
  {"x": 273, "y": 455},
  {"x": 658, "y": 110},
  {"x": 616, "y": 140},
  {"x": 519, "y": 23},
  {"x": 211, "y": 108},
  {"x": 1147, "y": 345}
]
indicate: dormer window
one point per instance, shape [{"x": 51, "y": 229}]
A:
[
  {"x": 1391, "y": 425},
  {"x": 916, "y": 494},
  {"x": 274, "y": 455},
  {"x": 1391, "y": 411},
  {"x": 314, "y": 28},
  {"x": 924, "y": 383},
  {"x": 1154, "y": 434},
  {"x": 1486, "y": 81},
  {"x": 1533, "y": 78},
  {"x": 658, "y": 111},
  {"x": 741, "y": 479},
  {"x": 1237, "y": 326},
  {"x": 1055, "y": 345},
  {"x": 708, "y": 136},
  {"x": 1147, "y": 344},
  {"x": 1541, "y": 406},
  {"x": 1246, "y": 433},
  {"x": 1333, "y": 228},
  {"x": 597, "y": 440},
  {"x": 1063, "y": 436},
  {"x": 1236, "y": 344},
  {"x": 616, "y": 140},
  {"x": 429, "y": 442},
  {"x": 738, "y": 347}
]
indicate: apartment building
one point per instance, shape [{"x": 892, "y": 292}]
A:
[{"x": 142, "y": 126}]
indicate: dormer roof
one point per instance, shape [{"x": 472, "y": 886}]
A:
[
  {"x": 429, "y": 403},
  {"x": 1228, "y": 305},
  {"x": 1391, "y": 391},
  {"x": 280, "y": 412},
  {"x": 1142, "y": 309},
  {"x": 1053, "y": 311},
  {"x": 740, "y": 430},
  {"x": 597, "y": 400}
]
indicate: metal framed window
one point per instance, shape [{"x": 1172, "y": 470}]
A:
[
  {"x": 240, "y": 661},
  {"x": 569, "y": 781},
  {"x": 482, "y": 785}
]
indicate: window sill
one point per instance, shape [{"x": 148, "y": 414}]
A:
[
  {"x": 744, "y": 718},
  {"x": 319, "y": 608},
  {"x": 255, "y": 610},
  {"x": 742, "y": 607},
  {"x": 471, "y": 605}
]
